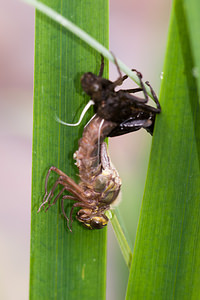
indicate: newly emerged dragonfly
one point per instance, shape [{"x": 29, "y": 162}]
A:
[{"x": 117, "y": 113}]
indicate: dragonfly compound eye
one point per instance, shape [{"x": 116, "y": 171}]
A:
[
  {"x": 98, "y": 222},
  {"x": 90, "y": 220}
]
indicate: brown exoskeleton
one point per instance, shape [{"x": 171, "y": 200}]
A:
[{"x": 99, "y": 183}]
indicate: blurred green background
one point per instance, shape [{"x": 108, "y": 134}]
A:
[{"x": 138, "y": 33}]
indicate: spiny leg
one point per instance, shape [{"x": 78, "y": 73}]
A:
[
  {"x": 52, "y": 168},
  {"x": 48, "y": 196},
  {"x": 137, "y": 101},
  {"x": 142, "y": 88},
  {"x": 61, "y": 180},
  {"x": 66, "y": 178},
  {"x": 121, "y": 78},
  {"x": 101, "y": 67},
  {"x": 56, "y": 198},
  {"x": 78, "y": 204},
  {"x": 46, "y": 181},
  {"x": 155, "y": 98},
  {"x": 136, "y": 90},
  {"x": 139, "y": 75},
  {"x": 63, "y": 209}
]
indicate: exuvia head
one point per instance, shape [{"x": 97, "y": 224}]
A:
[
  {"x": 92, "y": 220},
  {"x": 90, "y": 83}
]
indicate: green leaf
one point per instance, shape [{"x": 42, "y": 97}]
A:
[
  {"x": 166, "y": 260},
  {"x": 63, "y": 265}
]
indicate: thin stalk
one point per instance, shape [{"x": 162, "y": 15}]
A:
[{"x": 122, "y": 236}]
